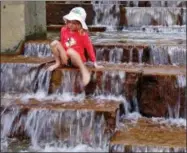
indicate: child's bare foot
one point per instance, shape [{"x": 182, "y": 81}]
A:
[
  {"x": 52, "y": 67},
  {"x": 85, "y": 77}
]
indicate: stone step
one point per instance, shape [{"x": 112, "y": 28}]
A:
[
  {"x": 145, "y": 69},
  {"x": 23, "y": 59},
  {"x": 160, "y": 90},
  {"x": 117, "y": 52},
  {"x": 147, "y": 134},
  {"x": 87, "y": 113},
  {"x": 97, "y": 105}
]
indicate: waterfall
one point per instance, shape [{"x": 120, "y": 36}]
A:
[{"x": 75, "y": 127}]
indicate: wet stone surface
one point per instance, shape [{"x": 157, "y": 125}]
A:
[
  {"x": 147, "y": 134},
  {"x": 161, "y": 96}
]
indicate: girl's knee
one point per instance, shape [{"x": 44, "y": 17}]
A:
[
  {"x": 54, "y": 43},
  {"x": 71, "y": 52}
]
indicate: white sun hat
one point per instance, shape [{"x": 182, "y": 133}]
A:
[{"x": 79, "y": 14}]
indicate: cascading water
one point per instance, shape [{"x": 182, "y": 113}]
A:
[
  {"x": 37, "y": 49},
  {"x": 58, "y": 129},
  {"x": 175, "y": 55},
  {"x": 83, "y": 130},
  {"x": 106, "y": 13},
  {"x": 24, "y": 78},
  {"x": 150, "y": 16},
  {"x": 112, "y": 84},
  {"x": 113, "y": 55},
  {"x": 85, "y": 127},
  {"x": 70, "y": 82}
]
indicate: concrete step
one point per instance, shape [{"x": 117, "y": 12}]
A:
[
  {"x": 150, "y": 135},
  {"x": 97, "y": 105},
  {"x": 87, "y": 115}
]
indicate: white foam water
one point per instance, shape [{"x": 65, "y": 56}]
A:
[
  {"x": 181, "y": 80},
  {"x": 179, "y": 122}
]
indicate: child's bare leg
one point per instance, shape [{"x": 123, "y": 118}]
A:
[
  {"x": 76, "y": 60},
  {"x": 56, "y": 56},
  {"x": 62, "y": 54},
  {"x": 59, "y": 55}
]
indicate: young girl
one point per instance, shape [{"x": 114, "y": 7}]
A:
[{"x": 74, "y": 39}]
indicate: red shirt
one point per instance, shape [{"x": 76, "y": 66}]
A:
[{"x": 78, "y": 42}]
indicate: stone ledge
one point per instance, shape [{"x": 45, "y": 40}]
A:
[
  {"x": 24, "y": 59},
  {"x": 97, "y": 105},
  {"x": 148, "y": 133},
  {"x": 99, "y": 108},
  {"x": 145, "y": 69}
]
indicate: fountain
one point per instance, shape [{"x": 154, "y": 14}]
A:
[{"x": 135, "y": 104}]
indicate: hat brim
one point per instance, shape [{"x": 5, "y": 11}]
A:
[{"x": 73, "y": 16}]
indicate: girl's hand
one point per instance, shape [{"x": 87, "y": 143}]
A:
[{"x": 98, "y": 66}]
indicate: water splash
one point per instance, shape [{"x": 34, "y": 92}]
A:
[
  {"x": 178, "y": 122},
  {"x": 71, "y": 87}
]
